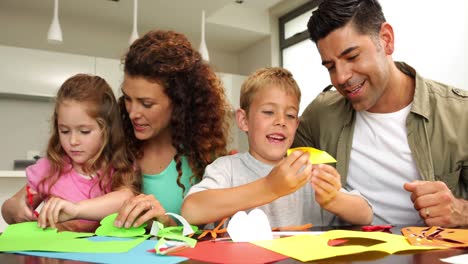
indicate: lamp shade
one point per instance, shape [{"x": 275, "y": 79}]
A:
[
  {"x": 134, "y": 36},
  {"x": 55, "y": 32},
  {"x": 203, "y": 49}
]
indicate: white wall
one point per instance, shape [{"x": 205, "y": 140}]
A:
[
  {"x": 256, "y": 56},
  {"x": 432, "y": 36},
  {"x": 25, "y": 126}
]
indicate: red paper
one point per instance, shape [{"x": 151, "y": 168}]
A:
[{"x": 229, "y": 252}]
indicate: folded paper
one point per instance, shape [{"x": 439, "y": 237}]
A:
[{"x": 316, "y": 156}]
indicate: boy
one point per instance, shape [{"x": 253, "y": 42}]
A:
[{"x": 263, "y": 177}]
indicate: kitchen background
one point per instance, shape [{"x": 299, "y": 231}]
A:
[{"x": 241, "y": 36}]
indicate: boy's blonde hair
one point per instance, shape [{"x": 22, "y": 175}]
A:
[{"x": 264, "y": 77}]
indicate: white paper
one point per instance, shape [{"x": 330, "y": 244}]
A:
[
  {"x": 460, "y": 259},
  {"x": 245, "y": 227}
]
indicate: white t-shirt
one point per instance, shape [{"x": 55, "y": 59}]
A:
[{"x": 380, "y": 163}]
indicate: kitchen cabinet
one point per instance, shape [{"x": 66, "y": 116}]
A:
[
  {"x": 10, "y": 183},
  {"x": 39, "y": 73}
]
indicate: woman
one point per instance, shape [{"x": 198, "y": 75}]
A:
[{"x": 173, "y": 110}]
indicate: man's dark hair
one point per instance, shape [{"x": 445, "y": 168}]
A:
[{"x": 366, "y": 16}]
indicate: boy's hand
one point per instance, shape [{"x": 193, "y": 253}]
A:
[
  {"x": 290, "y": 174},
  {"x": 56, "y": 210},
  {"x": 326, "y": 183}
]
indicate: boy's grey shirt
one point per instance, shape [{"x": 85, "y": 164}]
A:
[{"x": 297, "y": 208}]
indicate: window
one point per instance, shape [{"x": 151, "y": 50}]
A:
[{"x": 299, "y": 54}]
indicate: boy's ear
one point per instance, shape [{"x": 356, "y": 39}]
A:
[{"x": 241, "y": 118}]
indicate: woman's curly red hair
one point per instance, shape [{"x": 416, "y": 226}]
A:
[{"x": 198, "y": 123}]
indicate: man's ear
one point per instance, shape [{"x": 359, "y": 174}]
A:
[
  {"x": 387, "y": 38},
  {"x": 241, "y": 118}
]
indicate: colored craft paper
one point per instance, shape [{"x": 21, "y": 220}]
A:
[
  {"x": 309, "y": 247},
  {"x": 436, "y": 236},
  {"x": 138, "y": 254},
  {"x": 107, "y": 228},
  {"x": 316, "y": 156},
  {"x": 253, "y": 226},
  {"x": 229, "y": 252},
  {"x": 28, "y": 236}
]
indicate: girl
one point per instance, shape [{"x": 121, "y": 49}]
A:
[
  {"x": 87, "y": 173},
  {"x": 174, "y": 112}
]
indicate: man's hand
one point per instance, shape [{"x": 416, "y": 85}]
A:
[{"x": 437, "y": 205}]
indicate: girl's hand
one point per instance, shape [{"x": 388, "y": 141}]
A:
[
  {"x": 19, "y": 209},
  {"x": 141, "y": 209},
  {"x": 326, "y": 183},
  {"x": 56, "y": 210}
]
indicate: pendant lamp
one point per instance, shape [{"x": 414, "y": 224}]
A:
[
  {"x": 55, "y": 32},
  {"x": 134, "y": 36},
  {"x": 203, "y": 49}
]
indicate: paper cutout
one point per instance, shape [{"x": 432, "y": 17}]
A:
[
  {"x": 107, "y": 228},
  {"x": 215, "y": 231},
  {"x": 299, "y": 247},
  {"x": 28, "y": 236},
  {"x": 377, "y": 228},
  {"x": 460, "y": 259},
  {"x": 436, "y": 236},
  {"x": 155, "y": 227},
  {"x": 187, "y": 227},
  {"x": 253, "y": 226},
  {"x": 229, "y": 252},
  {"x": 316, "y": 156},
  {"x": 137, "y": 254}
]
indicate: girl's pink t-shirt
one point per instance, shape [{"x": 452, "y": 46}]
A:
[{"x": 70, "y": 186}]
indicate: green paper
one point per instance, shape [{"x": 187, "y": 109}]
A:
[
  {"x": 190, "y": 241},
  {"x": 107, "y": 228},
  {"x": 158, "y": 245},
  {"x": 174, "y": 230},
  {"x": 28, "y": 236},
  {"x": 27, "y": 230}
]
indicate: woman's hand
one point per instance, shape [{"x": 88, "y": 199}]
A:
[
  {"x": 141, "y": 209},
  {"x": 56, "y": 210}
]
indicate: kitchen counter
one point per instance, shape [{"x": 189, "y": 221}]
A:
[{"x": 12, "y": 174}]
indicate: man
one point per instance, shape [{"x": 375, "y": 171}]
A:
[{"x": 400, "y": 139}]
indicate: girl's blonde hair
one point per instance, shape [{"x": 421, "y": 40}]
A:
[{"x": 112, "y": 163}]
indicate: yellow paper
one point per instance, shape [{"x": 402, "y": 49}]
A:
[
  {"x": 317, "y": 156},
  {"x": 309, "y": 247}
]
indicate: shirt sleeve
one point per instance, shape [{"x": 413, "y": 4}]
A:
[
  {"x": 356, "y": 193},
  {"x": 217, "y": 175},
  {"x": 36, "y": 172}
]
